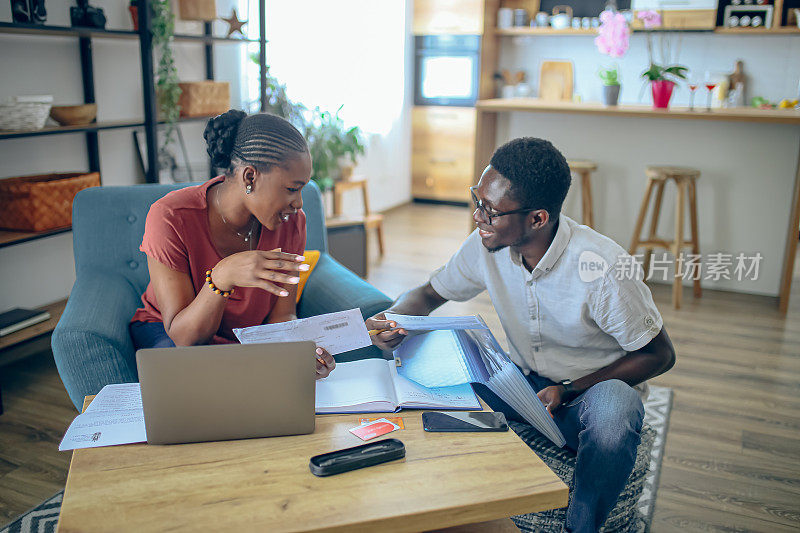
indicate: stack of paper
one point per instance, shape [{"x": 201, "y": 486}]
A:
[
  {"x": 114, "y": 417},
  {"x": 449, "y": 356}
]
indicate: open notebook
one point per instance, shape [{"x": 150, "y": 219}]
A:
[
  {"x": 450, "y": 357},
  {"x": 374, "y": 386}
]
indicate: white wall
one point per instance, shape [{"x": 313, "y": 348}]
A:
[
  {"x": 748, "y": 170},
  {"x": 42, "y": 271}
]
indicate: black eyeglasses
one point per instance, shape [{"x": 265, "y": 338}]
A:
[{"x": 489, "y": 216}]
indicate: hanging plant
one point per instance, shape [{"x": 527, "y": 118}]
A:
[{"x": 167, "y": 89}]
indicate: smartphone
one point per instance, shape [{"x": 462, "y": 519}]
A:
[{"x": 455, "y": 421}]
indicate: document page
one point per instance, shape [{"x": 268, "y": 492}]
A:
[
  {"x": 336, "y": 332},
  {"x": 413, "y": 395},
  {"x": 433, "y": 359},
  {"x": 430, "y": 323},
  {"x": 363, "y": 386},
  {"x": 114, "y": 417}
]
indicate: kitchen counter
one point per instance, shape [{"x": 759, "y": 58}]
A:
[{"x": 738, "y": 114}]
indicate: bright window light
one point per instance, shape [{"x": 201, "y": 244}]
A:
[{"x": 348, "y": 53}]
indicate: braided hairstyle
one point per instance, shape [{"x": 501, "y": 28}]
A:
[{"x": 261, "y": 140}]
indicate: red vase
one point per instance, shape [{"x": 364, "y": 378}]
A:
[
  {"x": 662, "y": 92},
  {"x": 134, "y": 17}
]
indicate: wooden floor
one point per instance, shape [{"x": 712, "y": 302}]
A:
[{"x": 732, "y": 459}]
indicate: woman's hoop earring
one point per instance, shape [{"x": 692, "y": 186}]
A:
[{"x": 249, "y": 189}]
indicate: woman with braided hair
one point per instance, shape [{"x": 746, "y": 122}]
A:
[{"x": 226, "y": 254}]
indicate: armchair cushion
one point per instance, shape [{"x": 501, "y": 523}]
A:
[{"x": 91, "y": 344}]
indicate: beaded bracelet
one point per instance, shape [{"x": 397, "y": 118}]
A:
[{"x": 214, "y": 288}]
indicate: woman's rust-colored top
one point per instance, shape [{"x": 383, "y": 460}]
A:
[{"x": 177, "y": 234}]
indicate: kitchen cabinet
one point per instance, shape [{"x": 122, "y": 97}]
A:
[
  {"x": 432, "y": 17},
  {"x": 443, "y": 140}
]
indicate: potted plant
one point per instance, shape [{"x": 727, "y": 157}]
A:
[
  {"x": 664, "y": 76},
  {"x": 610, "y": 78},
  {"x": 333, "y": 147},
  {"x": 613, "y": 39}
]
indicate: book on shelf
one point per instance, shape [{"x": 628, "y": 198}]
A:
[{"x": 19, "y": 318}]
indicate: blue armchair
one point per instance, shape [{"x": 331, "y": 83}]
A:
[{"x": 91, "y": 343}]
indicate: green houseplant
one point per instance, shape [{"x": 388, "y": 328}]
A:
[
  {"x": 610, "y": 79},
  {"x": 167, "y": 90},
  {"x": 332, "y": 145},
  {"x": 662, "y": 77}
]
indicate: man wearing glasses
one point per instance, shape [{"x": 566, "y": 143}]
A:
[{"x": 586, "y": 338}]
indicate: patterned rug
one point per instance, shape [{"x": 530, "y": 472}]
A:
[
  {"x": 656, "y": 414},
  {"x": 44, "y": 517}
]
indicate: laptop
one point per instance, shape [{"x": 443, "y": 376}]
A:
[{"x": 229, "y": 391}]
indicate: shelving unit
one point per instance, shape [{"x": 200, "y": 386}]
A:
[
  {"x": 149, "y": 121},
  {"x": 527, "y": 32}
]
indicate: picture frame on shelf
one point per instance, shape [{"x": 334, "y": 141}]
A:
[{"x": 169, "y": 171}]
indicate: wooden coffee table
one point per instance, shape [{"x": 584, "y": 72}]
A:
[{"x": 446, "y": 479}]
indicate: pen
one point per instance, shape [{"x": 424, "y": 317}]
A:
[{"x": 376, "y": 331}]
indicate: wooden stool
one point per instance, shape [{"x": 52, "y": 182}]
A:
[
  {"x": 584, "y": 169},
  {"x": 371, "y": 220},
  {"x": 685, "y": 179}
]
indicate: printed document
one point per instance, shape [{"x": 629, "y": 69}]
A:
[
  {"x": 114, "y": 417},
  {"x": 336, "y": 332},
  {"x": 430, "y": 323}
]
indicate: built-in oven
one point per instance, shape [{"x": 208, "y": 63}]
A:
[{"x": 446, "y": 69}]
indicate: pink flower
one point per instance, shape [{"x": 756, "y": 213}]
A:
[
  {"x": 650, "y": 18},
  {"x": 613, "y": 36}
]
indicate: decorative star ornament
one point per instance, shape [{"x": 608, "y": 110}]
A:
[{"x": 234, "y": 24}]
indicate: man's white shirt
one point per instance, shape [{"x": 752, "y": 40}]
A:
[{"x": 573, "y": 314}]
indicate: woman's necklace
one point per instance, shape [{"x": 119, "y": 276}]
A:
[{"x": 246, "y": 236}]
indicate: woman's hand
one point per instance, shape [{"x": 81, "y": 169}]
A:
[
  {"x": 325, "y": 363},
  {"x": 260, "y": 269},
  {"x": 386, "y": 340}
]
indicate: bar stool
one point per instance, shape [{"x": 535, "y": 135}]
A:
[
  {"x": 685, "y": 179},
  {"x": 584, "y": 169},
  {"x": 370, "y": 220}
]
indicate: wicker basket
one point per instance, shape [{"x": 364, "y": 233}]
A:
[
  {"x": 204, "y": 98},
  {"x": 23, "y": 116},
  {"x": 42, "y": 202},
  {"x": 205, "y": 10}
]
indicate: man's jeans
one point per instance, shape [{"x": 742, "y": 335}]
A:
[{"x": 603, "y": 426}]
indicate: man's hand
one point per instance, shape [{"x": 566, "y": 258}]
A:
[
  {"x": 551, "y": 397},
  {"x": 386, "y": 340}
]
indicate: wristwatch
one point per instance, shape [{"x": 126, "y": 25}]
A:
[{"x": 569, "y": 390}]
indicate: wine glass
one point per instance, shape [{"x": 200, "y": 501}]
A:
[
  {"x": 693, "y": 85},
  {"x": 710, "y": 84}
]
